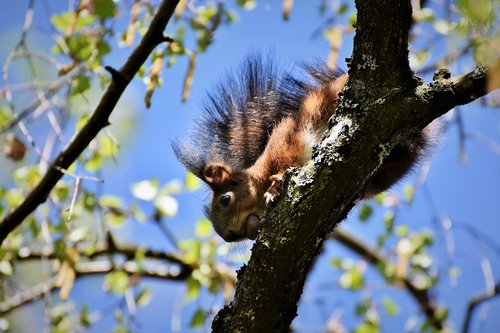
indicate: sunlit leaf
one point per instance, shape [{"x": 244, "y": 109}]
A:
[
  {"x": 191, "y": 182},
  {"x": 78, "y": 234},
  {"x": 172, "y": 187},
  {"x": 80, "y": 84},
  {"x": 145, "y": 190},
  {"x": 247, "y": 4},
  {"x": 402, "y": 230},
  {"x": 110, "y": 201},
  {"x": 193, "y": 289},
  {"x": 409, "y": 191},
  {"x": 6, "y": 268},
  {"x": 424, "y": 15},
  {"x": 336, "y": 262},
  {"x": 352, "y": 279},
  {"x": 442, "y": 26},
  {"x": 167, "y": 205},
  {"x": 191, "y": 250},
  {"x": 203, "y": 228},
  {"x": 366, "y": 328},
  {"x": 144, "y": 297},
  {"x": 63, "y": 21},
  {"x": 116, "y": 282},
  {"x": 198, "y": 319},
  {"x": 85, "y": 319},
  {"x": 390, "y": 307}
]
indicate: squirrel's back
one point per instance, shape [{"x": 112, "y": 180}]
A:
[{"x": 239, "y": 116}]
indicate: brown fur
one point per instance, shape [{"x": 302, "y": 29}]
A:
[{"x": 242, "y": 190}]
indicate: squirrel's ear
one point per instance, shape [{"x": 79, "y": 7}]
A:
[{"x": 216, "y": 174}]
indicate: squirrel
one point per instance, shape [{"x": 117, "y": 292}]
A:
[{"x": 255, "y": 126}]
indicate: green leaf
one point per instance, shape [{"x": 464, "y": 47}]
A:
[
  {"x": 80, "y": 84},
  {"x": 109, "y": 201},
  {"x": 138, "y": 214},
  {"x": 402, "y": 230},
  {"x": 191, "y": 250},
  {"x": 104, "y": 8},
  {"x": 389, "y": 221},
  {"x": 365, "y": 212},
  {"x": 193, "y": 289},
  {"x": 247, "y": 4},
  {"x": 61, "y": 191},
  {"x": 418, "y": 59},
  {"x": 13, "y": 197},
  {"x": 78, "y": 234},
  {"x": 107, "y": 146},
  {"x": 94, "y": 163},
  {"x": 343, "y": 9},
  {"x": 479, "y": 12},
  {"x": 424, "y": 15},
  {"x": 145, "y": 190},
  {"x": 198, "y": 319},
  {"x": 85, "y": 320},
  {"x": 409, "y": 192},
  {"x": 172, "y": 187},
  {"x": 4, "y": 116},
  {"x": 115, "y": 217},
  {"x": 367, "y": 328},
  {"x": 144, "y": 297},
  {"x": 390, "y": 307},
  {"x": 442, "y": 314},
  {"x": 336, "y": 262},
  {"x": 117, "y": 282},
  {"x": 443, "y": 27},
  {"x": 422, "y": 281},
  {"x": 62, "y": 21},
  {"x": 203, "y": 228},
  {"x": 352, "y": 279},
  {"x": 192, "y": 183},
  {"x": 6, "y": 268}
]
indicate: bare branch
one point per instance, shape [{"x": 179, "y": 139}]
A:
[
  {"x": 476, "y": 301},
  {"x": 97, "y": 121}
]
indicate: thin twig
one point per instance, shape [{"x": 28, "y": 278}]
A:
[{"x": 476, "y": 301}]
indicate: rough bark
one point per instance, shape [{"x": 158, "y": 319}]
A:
[{"x": 382, "y": 104}]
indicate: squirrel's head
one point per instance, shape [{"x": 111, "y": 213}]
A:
[{"x": 235, "y": 207}]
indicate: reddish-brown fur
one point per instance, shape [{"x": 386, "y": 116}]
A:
[{"x": 288, "y": 146}]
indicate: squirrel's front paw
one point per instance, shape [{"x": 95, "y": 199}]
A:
[{"x": 272, "y": 192}]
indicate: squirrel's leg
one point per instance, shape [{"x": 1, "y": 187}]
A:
[{"x": 272, "y": 192}]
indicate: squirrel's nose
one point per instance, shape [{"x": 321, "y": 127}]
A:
[{"x": 231, "y": 236}]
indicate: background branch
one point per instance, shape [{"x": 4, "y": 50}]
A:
[
  {"x": 97, "y": 121},
  {"x": 425, "y": 302},
  {"x": 476, "y": 301}
]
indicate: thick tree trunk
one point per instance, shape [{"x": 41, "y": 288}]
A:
[{"x": 382, "y": 104}]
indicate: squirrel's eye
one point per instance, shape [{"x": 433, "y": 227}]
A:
[{"x": 225, "y": 200}]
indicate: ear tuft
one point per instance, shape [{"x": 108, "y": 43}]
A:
[{"x": 216, "y": 174}]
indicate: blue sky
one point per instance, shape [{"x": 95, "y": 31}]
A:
[{"x": 467, "y": 193}]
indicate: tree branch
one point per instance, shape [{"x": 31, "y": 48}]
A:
[
  {"x": 379, "y": 108},
  {"x": 475, "y": 301},
  {"x": 426, "y": 303},
  {"x": 172, "y": 268},
  {"x": 97, "y": 121}
]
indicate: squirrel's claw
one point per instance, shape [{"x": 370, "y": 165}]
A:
[{"x": 272, "y": 192}]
